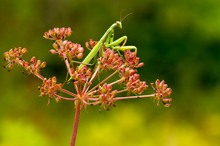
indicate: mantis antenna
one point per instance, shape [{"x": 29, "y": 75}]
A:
[{"x": 122, "y": 19}]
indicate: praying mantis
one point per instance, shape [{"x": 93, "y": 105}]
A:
[{"x": 108, "y": 42}]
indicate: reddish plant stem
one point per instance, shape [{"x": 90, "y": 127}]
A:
[
  {"x": 103, "y": 81},
  {"x": 133, "y": 97},
  {"x": 67, "y": 65},
  {"x": 75, "y": 123},
  {"x": 68, "y": 92}
]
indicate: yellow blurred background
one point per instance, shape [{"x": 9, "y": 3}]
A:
[{"x": 179, "y": 41}]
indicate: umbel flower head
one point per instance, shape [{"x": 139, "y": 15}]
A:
[
  {"x": 106, "y": 92},
  {"x": 13, "y": 56},
  {"x": 162, "y": 92},
  {"x": 58, "y": 33},
  {"x": 100, "y": 79}
]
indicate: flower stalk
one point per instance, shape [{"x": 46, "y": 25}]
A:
[{"x": 75, "y": 123}]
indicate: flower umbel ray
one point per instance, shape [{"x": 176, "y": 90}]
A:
[{"x": 90, "y": 89}]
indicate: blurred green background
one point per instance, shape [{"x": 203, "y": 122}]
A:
[{"x": 179, "y": 41}]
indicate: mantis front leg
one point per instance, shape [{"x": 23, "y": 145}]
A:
[
  {"x": 115, "y": 45},
  {"x": 107, "y": 41},
  {"x": 100, "y": 43}
]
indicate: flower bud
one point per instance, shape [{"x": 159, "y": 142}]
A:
[
  {"x": 24, "y": 50},
  {"x": 43, "y": 64},
  {"x": 55, "y": 46},
  {"x": 52, "y": 51},
  {"x": 140, "y": 64},
  {"x": 167, "y": 100},
  {"x": 33, "y": 60},
  {"x": 80, "y": 55},
  {"x": 6, "y": 56},
  {"x": 167, "y": 105}
]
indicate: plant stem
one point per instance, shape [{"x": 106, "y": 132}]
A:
[
  {"x": 103, "y": 81},
  {"x": 133, "y": 97},
  {"x": 75, "y": 123}
]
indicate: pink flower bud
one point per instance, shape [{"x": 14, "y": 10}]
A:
[
  {"x": 33, "y": 60},
  {"x": 52, "y": 51},
  {"x": 55, "y": 46},
  {"x": 80, "y": 55},
  {"x": 24, "y": 50},
  {"x": 140, "y": 64},
  {"x": 43, "y": 64}
]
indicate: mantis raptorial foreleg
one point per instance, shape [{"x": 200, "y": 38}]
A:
[
  {"x": 115, "y": 45},
  {"x": 107, "y": 40},
  {"x": 112, "y": 43},
  {"x": 100, "y": 43}
]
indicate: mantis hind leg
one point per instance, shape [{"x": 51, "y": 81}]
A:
[
  {"x": 115, "y": 45},
  {"x": 117, "y": 42},
  {"x": 123, "y": 48}
]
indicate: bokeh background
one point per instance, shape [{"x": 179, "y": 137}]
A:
[{"x": 178, "y": 40}]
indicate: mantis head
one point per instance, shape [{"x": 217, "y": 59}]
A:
[{"x": 119, "y": 24}]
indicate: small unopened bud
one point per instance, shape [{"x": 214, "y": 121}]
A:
[
  {"x": 161, "y": 84},
  {"x": 167, "y": 105},
  {"x": 52, "y": 51},
  {"x": 80, "y": 55},
  {"x": 140, "y": 64},
  {"x": 167, "y": 100},
  {"x": 57, "y": 99},
  {"x": 55, "y": 46},
  {"x": 87, "y": 44},
  {"x": 43, "y": 64},
  {"x": 6, "y": 55},
  {"x": 80, "y": 49},
  {"x": 10, "y": 52},
  {"x": 54, "y": 79},
  {"x": 25, "y": 64},
  {"x": 103, "y": 90},
  {"x": 24, "y": 50},
  {"x": 38, "y": 62},
  {"x": 33, "y": 60}
]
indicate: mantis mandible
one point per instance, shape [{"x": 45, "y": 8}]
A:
[{"x": 107, "y": 40}]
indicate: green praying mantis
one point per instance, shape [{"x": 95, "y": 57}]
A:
[{"x": 108, "y": 41}]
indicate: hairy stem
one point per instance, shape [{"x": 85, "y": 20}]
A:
[{"x": 75, "y": 123}]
